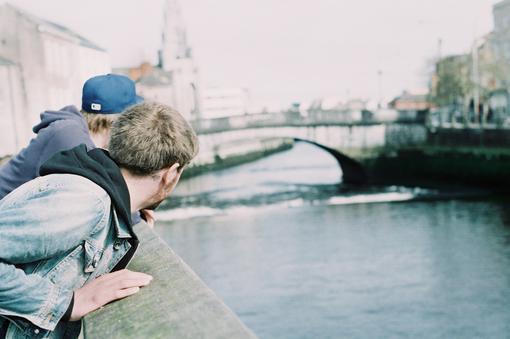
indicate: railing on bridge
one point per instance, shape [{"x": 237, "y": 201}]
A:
[{"x": 319, "y": 118}]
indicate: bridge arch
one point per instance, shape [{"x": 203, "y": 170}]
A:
[
  {"x": 352, "y": 171},
  {"x": 328, "y": 138}
]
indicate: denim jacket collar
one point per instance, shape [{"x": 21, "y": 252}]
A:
[{"x": 121, "y": 230}]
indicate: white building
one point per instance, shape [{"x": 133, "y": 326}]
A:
[
  {"x": 13, "y": 118},
  {"x": 53, "y": 63},
  {"x": 224, "y": 102},
  {"x": 175, "y": 80},
  {"x": 176, "y": 58}
]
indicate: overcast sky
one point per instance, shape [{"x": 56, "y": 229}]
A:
[{"x": 287, "y": 50}]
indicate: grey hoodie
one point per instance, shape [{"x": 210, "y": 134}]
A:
[{"x": 57, "y": 131}]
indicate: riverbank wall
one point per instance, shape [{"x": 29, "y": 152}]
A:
[{"x": 474, "y": 157}]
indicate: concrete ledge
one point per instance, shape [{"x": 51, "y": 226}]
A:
[{"x": 177, "y": 304}]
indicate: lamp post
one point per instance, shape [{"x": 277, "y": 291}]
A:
[
  {"x": 475, "y": 77},
  {"x": 379, "y": 82}
]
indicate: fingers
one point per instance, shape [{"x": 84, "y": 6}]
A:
[
  {"x": 126, "y": 292},
  {"x": 149, "y": 213},
  {"x": 128, "y": 283},
  {"x": 124, "y": 283},
  {"x": 127, "y": 274},
  {"x": 124, "y": 279},
  {"x": 150, "y": 217},
  {"x": 107, "y": 288}
]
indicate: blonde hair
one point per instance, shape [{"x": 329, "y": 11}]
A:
[
  {"x": 99, "y": 123},
  {"x": 149, "y": 137}
]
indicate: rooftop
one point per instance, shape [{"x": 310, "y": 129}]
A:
[
  {"x": 158, "y": 77},
  {"x": 52, "y": 27}
]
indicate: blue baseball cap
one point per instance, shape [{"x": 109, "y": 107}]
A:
[{"x": 109, "y": 94}]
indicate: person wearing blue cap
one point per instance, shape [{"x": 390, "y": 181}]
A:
[
  {"x": 104, "y": 97},
  {"x": 66, "y": 237}
]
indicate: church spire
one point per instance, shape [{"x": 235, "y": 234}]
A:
[{"x": 174, "y": 43}]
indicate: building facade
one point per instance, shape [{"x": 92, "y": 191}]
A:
[
  {"x": 176, "y": 58},
  {"x": 52, "y": 63},
  {"x": 13, "y": 117},
  {"x": 175, "y": 80},
  {"x": 451, "y": 80},
  {"x": 224, "y": 102}
]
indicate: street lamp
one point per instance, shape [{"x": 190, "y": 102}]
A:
[
  {"x": 475, "y": 77},
  {"x": 379, "y": 81}
]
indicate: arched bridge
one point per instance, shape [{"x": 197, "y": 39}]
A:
[
  {"x": 349, "y": 143},
  {"x": 352, "y": 171}
]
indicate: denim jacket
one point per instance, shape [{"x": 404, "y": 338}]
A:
[{"x": 57, "y": 232}]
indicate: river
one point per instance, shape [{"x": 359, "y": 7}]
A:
[{"x": 296, "y": 254}]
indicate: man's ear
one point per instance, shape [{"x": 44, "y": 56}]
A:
[{"x": 171, "y": 174}]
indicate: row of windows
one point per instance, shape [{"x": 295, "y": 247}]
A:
[{"x": 57, "y": 57}]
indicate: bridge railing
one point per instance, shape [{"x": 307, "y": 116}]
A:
[{"x": 322, "y": 118}]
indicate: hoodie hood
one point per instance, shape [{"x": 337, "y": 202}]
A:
[
  {"x": 66, "y": 113},
  {"x": 97, "y": 166}
]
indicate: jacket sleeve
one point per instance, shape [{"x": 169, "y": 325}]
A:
[{"x": 39, "y": 221}]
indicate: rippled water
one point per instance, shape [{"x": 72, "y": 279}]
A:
[{"x": 297, "y": 255}]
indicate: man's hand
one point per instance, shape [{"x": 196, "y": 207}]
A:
[
  {"x": 106, "y": 288},
  {"x": 149, "y": 216}
]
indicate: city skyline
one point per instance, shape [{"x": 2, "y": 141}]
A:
[{"x": 287, "y": 51}]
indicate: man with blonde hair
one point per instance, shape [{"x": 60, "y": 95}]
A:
[{"x": 63, "y": 232}]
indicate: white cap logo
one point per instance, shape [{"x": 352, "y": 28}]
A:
[{"x": 96, "y": 107}]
